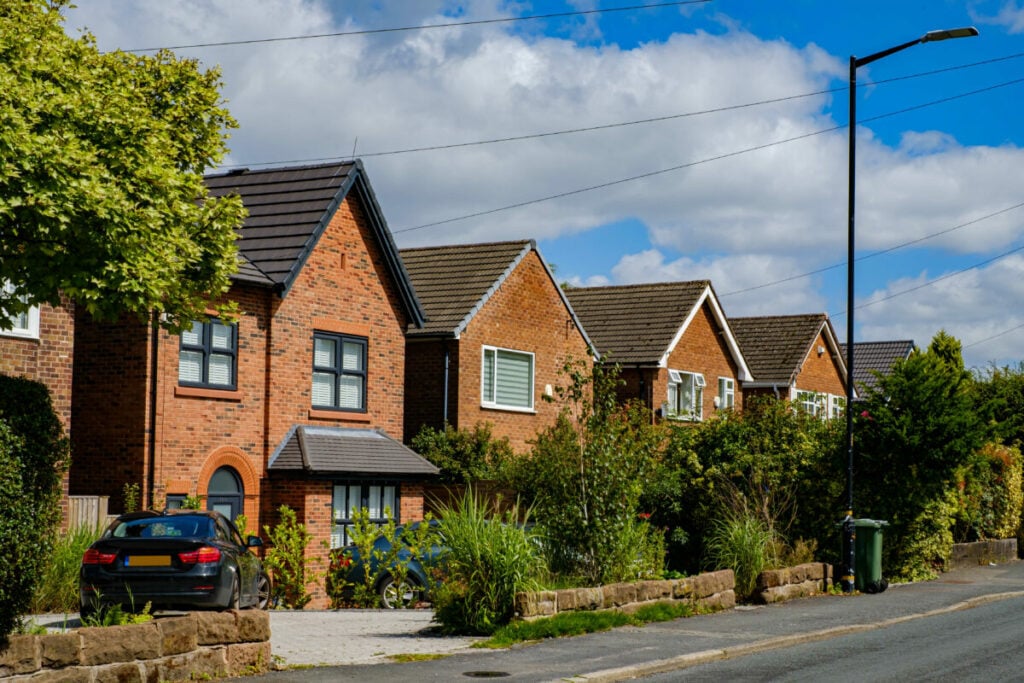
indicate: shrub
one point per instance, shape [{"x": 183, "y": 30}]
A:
[
  {"x": 57, "y": 590},
  {"x": 287, "y": 561},
  {"x": 464, "y": 456},
  {"x": 33, "y": 458},
  {"x": 487, "y": 558},
  {"x": 989, "y": 494}
]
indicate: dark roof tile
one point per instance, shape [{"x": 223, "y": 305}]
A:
[
  {"x": 346, "y": 451},
  {"x": 871, "y": 357},
  {"x": 775, "y": 346}
]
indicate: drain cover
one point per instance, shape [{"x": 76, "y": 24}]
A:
[{"x": 486, "y": 674}]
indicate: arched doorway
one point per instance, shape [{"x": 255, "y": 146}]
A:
[{"x": 225, "y": 493}]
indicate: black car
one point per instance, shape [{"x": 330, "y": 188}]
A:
[{"x": 178, "y": 559}]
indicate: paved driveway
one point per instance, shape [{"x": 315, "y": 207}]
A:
[{"x": 356, "y": 636}]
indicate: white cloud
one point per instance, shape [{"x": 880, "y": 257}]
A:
[{"x": 1010, "y": 16}]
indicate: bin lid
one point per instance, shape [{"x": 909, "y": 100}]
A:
[{"x": 870, "y": 523}]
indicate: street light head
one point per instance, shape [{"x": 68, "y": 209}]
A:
[{"x": 964, "y": 32}]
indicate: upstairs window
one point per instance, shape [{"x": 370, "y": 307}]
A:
[
  {"x": 506, "y": 379},
  {"x": 339, "y": 372},
  {"x": 726, "y": 393},
  {"x": 209, "y": 355},
  {"x": 24, "y": 324},
  {"x": 685, "y": 395}
]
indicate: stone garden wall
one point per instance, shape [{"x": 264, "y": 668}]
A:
[
  {"x": 197, "y": 646},
  {"x": 801, "y": 581},
  {"x": 983, "y": 552},
  {"x": 711, "y": 591}
]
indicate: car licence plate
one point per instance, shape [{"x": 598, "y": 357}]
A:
[{"x": 147, "y": 561}]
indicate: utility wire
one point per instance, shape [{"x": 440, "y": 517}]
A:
[
  {"x": 452, "y": 24},
  {"x": 994, "y": 336},
  {"x": 871, "y": 255},
  {"x": 622, "y": 124},
  {"x": 691, "y": 164}
]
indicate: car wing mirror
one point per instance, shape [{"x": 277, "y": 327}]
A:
[{"x": 254, "y": 542}]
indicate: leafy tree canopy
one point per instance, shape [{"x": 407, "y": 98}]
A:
[{"x": 101, "y": 164}]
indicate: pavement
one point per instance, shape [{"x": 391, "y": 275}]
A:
[{"x": 360, "y": 644}]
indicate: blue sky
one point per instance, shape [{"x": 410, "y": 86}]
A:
[{"x": 750, "y": 194}]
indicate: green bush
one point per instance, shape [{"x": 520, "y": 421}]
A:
[
  {"x": 33, "y": 459},
  {"x": 487, "y": 558},
  {"x": 287, "y": 561},
  {"x": 57, "y": 590},
  {"x": 989, "y": 494},
  {"x": 465, "y": 456}
]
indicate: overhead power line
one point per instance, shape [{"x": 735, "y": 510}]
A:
[
  {"x": 622, "y": 124},
  {"x": 872, "y": 255},
  {"x": 994, "y": 336},
  {"x": 691, "y": 164},
  {"x": 450, "y": 24}
]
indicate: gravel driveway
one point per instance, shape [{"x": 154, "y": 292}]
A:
[{"x": 356, "y": 636}]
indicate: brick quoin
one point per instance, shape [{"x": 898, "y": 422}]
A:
[{"x": 525, "y": 313}]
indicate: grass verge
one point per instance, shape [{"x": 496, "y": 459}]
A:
[{"x": 578, "y": 623}]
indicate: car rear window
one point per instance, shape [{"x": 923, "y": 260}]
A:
[{"x": 164, "y": 527}]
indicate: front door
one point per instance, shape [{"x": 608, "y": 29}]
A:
[{"x": 225, "y": 494}]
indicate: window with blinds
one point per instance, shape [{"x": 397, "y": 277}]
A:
[
  {"x": 506, "y": 379},
  {"x": 339, "y": 372},
  {"x": 380, "y": 501},
  {"x": 208, "y": 355}
]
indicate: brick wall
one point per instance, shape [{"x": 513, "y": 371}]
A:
[
  {"x": 820, "y": 372},
  {"x": 525, "y": 314},
  {"x": 424, "y": 384},
  {"x": 48, "y": 359}
]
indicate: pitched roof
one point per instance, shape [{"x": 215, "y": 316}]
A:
[
  {"x": 776, "y": 346},
  {"x": 454, "y": 282},
  {"x": 641, "y": 324},
  {"x": 871, "y": 357},
  {"x": 289, "y": 208},
  {"x": 343, "y": 450}
]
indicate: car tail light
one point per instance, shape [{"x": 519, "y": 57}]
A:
[
  {"x": 205, "y": 554},
  {"x": 93, "y": 556}
]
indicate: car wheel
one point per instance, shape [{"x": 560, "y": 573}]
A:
[
  {"x": 263, "y": 591},
  {"x": 236, "y": 594},
  {"x": 394, "y": 594}
]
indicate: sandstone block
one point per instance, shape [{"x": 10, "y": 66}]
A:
[
  {"x": 216, "y": 628},
  {"x": 566, "y": 600},
  {"x": 74, "y": 674},
  {"x": 246, "y": 659},
  {"x": 112, "y": 644},
  {"x": 178, "y": 635},
  {"x": 253, "y": 626},
  {"x": 653, "y": 590},
  {"x": 20, "y": 657},
  {"x": 122, "y": 672},
  {"x": 58, "y": 650}
]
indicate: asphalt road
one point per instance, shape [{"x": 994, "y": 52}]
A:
[{"x": 741, "y": 637}]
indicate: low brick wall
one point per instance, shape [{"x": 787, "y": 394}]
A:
[
  {"x": 983, "y": 552},
  {"x": 711, "y": 591},
  {"x": 801, "y": 581},
  {"x": 196, "y": 646}
]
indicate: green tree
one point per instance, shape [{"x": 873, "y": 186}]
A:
[
  {"x": 588, "y": 471},
  {"x": 915, "y": 429},
  {"x": 999, "y": 398},
  {"x": 101, "y": 163},
  {"x": 464, "y": 456},
  {"x": 33, "y": 458}
]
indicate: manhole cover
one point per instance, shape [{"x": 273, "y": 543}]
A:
[{"x": 486, "y": 674}]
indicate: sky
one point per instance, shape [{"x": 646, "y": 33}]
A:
[{"x": 698, "y": 140}]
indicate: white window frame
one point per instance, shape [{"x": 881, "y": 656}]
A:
[
  {"x": 726, "y": 393},
  {"x": 27, "y": 324},
  {"x": 489, "y": 394},
  {"x": 837, "y": 406},
  {"x": 380, "y": 498},
  {"x": 673, "y": 405}
]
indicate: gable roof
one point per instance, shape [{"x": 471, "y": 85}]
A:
[
  {"x": 454, "y": 282},
  {"x": 776, "y": 346},
  {"x": 871, "y": 357},
  {"x": 288, "y": 210},
  {"x": 642, "y": 324},
  {"x": 345, "y": 450}
]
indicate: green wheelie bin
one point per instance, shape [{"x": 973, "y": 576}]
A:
[{"x": 868, "y": 546}]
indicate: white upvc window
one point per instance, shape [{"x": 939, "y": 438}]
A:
[
  {"x": 506, "y": 379},
  {"x": 685, "y": 395},
  {"x": 726, "y": 393},
  {"x": 379, "y": 499},
  {"x": 24, "y": 324},
  {"x": 837, "y": 405},
  {"x": 813, "y": 403}
]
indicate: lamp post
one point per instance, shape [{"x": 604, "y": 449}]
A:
[{"x": 848, "y": 522}]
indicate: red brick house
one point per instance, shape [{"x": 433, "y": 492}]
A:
[
  {"x": 672, "y": 342},
  {"x": 498, "y": 330},
  {"x": 794, "y": 357},
  {"x": 39, "y": 345},
  {"x": 299, "y": 402}
]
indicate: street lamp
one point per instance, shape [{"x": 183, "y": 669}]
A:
[{"x": 848, "y": 522}]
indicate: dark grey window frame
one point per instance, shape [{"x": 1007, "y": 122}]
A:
[
  {"x": 205, "y": 347},
  {"x": 338, "y": 371}
]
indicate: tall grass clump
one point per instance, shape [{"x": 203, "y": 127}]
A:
[
  {"x": 489, "y": 557},
  {"x": 744, "y": 543},
  {"x": 57, "y": 589}
]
